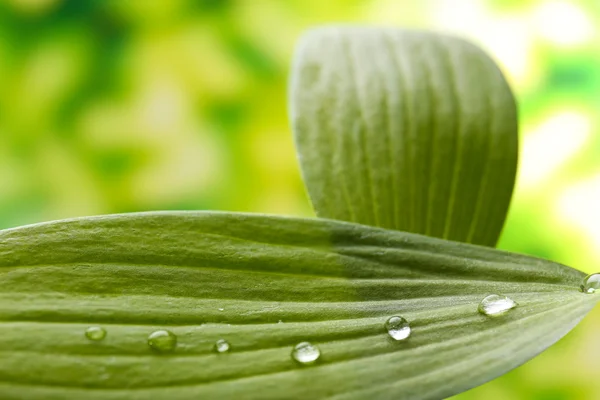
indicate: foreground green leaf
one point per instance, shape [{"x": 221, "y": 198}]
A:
[
  {"x": 264, "y": 284},
  {"x": 406, "y": 130}
]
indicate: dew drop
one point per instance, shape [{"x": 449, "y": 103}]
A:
[
  {"x": 398, "y": 328},
  {"x": 496, "y": 304},
  {"x": 162, "y": 340},
  {"x": 95, "y": 333},
  {"x": 222, "y": 346},
  {"x": 221, "y": 309},
  {"x": 306, "y": 353},
  {"x": 591, "y": 283}
]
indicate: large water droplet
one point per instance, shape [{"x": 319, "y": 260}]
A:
[
  {"x": 222, "y": 346},
  {"x": 398, "y": 328},
  {"x": 496, "y": 304},
  {"x": 162, "y": 340},
  {"x": 591, "y": 283},
  {"x": 306, "y": 353},
  {"x": 95, "y": 333}
]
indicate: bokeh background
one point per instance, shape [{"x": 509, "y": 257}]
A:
[{"x": 111, "y": 106}]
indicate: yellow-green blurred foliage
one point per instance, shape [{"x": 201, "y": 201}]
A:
[{"x": 130, "y": 105}]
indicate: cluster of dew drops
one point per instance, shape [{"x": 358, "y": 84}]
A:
[{"x": 397, "y": 327}]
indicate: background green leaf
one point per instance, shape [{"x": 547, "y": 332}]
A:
[
  {"x": 264, "y": 284},
  {"x": 407, "y": 130}
]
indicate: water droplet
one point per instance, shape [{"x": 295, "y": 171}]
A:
[
  {"x": 221, "y": 309},
  {"x": 496, "y": 304},
  {"x": 306, "y": 353},
  {"x": 398, "y": 328},
  {"x": 95, "y": 333},
  {"x": 162, "y": 340},
  {"x": 222, "y": 346},
  {"x": 591, "y": 283}
]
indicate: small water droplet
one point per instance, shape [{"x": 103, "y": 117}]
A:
[
  {"x": 306, "y": 353},
  {"x": 162, "y": 340},
  {"x": 95, "y": 333},
  {"x": 222, "y": 346},
  {"x": 591, "y": 283},
  {"x": 398, "y": 328},
  {"x": 496, "y": 304},
  {"x": 221, "y": 309}
]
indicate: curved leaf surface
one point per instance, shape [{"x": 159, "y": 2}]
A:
[
  {"x": 264, "y": 284},
  {"x": 406, "y": 130}
]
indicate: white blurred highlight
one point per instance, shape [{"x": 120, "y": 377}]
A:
[
  {"x": 460, "y": 15},
  {"x": 562, "y": 23},
  {"x": 551, "y": 144},
  {"x": 511, "y": 41},
  {"x": 509, "y": 37},
  {"x": 579, "y": 207},
  {"x": 163, "y": 107}
]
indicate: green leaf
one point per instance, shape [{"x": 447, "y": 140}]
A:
[
  {"x": 264, "y": 284},
  {"x": 404, "y": 130}
]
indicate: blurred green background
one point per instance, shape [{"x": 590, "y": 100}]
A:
[{"x": 116, "y": 106}]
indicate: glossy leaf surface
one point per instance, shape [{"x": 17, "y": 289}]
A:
[{"x": 264, "y": 284}]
